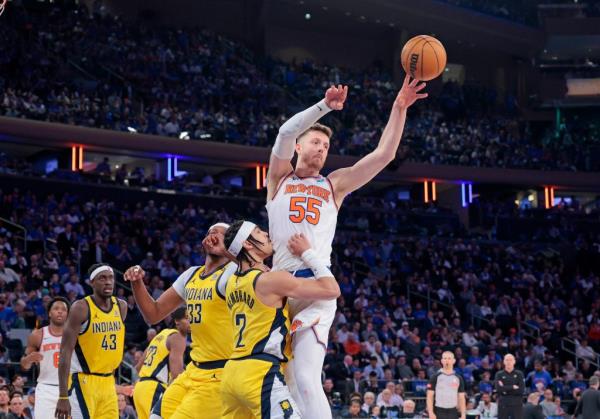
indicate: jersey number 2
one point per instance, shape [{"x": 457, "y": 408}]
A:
[
  {"x": 110, "y": 343},
  {"x": 240, "y": 321},
  {"x": 304, "y": 208}
]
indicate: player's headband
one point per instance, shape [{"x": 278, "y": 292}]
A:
[
  {"x": 242, "y": 235},
  {"x": 99, "y": 269},
  {"x": 224, "y": 225}
]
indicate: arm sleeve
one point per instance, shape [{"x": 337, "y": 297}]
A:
[
  {"x": 179, "y": 284},
  {"x": 461, "y": 384},
  {"x": 296, "y": 125},
  {"x": 224, "y": 278},
  {"x": 432, "y": 382}
]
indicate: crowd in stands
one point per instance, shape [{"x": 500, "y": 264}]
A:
[
  {"x": 486, "y": 297},
  {"x": 91, "y": 69}
]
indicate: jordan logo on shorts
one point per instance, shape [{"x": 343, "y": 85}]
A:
[{"x": 287, "y": 408}]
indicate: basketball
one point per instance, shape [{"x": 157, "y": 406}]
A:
[{"x": 423, "y": 57}]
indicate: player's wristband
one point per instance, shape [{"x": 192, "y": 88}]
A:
[
  {"x": 318, "y": 267},
  {"x": 63, "y": 397}
]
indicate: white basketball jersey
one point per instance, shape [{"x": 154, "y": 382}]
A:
[
  {"x": 302, "y": 205},
  {"x": 50, "y": 349}
]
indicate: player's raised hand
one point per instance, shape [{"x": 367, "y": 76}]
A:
[
  {"x": 336, "y": 96},
  {"x": 134, "y": 273},
  {"x": 214, "y": 244},
  {"x": 409, "y": 93},
  {"x": 298, "y": 244}
]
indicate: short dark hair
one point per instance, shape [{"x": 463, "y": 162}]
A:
[
  {"x": 320, "y": 128},
  {"x": 179, "y": 314},
  {"x": 59, "y": 300},
  {"x": 230, "y": 236}
]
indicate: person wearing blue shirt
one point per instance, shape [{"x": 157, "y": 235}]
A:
[{"x": 539, "y": 378}]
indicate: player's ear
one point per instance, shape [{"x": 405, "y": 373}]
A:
[{"x": 298, "y": 146}]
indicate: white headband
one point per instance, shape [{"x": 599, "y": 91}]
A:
[
  {"x": 99, "y": 269},
  {"x": 224, "y": 225},
  {"x": 242, "y": 235}
]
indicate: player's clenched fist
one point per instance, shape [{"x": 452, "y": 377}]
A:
[
  {"x": 134, "y": 273},
  {"x": 298, "y": 244}
]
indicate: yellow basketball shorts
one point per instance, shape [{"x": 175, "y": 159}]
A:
[
  {"x": 256, "y": 387},
  {"x": 93, "y": 396},
  {"x": 196, "y": 392},
  {"x": 146, "y": 394}
]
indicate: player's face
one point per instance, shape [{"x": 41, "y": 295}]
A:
[
  {"x": 184, "y": 325},
  {"x": 448, "y": 360},
  {"x": 313, "y": 148},
  {"x": 104, "y": 284},
  {"x": 58, "y": 313},
  {"x": 266, "y": 248}
]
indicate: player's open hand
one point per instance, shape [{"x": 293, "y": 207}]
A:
[
  {"x": 336, "y": 96},
  {"x": 63, "y": 409},
  {"x": 134, "y": 274},
  {"x": 214, "y": 244},
  {"x": 409, "y": 93},
  {"x": 298, "y": 244}
]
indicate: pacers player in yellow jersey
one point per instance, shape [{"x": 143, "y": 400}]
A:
[
  {"x": 95, "y": 330},
  {"x": 253, "y": 380},
  {"x": 196, "y": 392},
  {"x": 162, "y": 363}
]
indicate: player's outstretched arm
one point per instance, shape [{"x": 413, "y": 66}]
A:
[
  {"x": 77, "y": 316},
  {"x": 349, "y": 179},
  {"x": 283, "y": 284},
  {"x": 285, "y": 144},
  {"x": 32, "y": 353},
  {"x": 153, "y": 310}
]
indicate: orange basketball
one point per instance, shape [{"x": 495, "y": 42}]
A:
[{"x": 423, "y": 57}]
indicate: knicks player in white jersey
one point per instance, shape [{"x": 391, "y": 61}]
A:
[
  {"x": 43, "y": 348},
  {"x": 301, "y": 200}
]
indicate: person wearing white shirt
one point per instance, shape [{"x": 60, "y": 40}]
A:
[{"x": 487, "y": 407}]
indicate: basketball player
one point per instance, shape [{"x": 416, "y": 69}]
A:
[
  {"x": 162, "y": 363},
  {"x": 43, "y": 348},
  {"x": 95, "y": 330},
  {"x": 253, "y": 381},
  {"x": 202, "y": 290},
  {"x": 301, "y": 200}
]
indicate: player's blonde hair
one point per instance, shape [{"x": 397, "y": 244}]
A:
[{"x": 317, "y": 127}]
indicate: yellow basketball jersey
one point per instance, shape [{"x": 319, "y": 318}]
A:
[
  {"x": 156, "y": 362},
  {"x": 257, "y": 328},
  {"x": 211, "y": 332},
  {"x": 99, "y": 347}
]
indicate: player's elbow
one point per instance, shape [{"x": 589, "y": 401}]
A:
[{"x": 332, "y": 290}]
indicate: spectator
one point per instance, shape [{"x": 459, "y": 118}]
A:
[
  {"x": 354, "y": 411},
  {"x": 548, "y": 404},
  {"x": 4, "y": 402},
  {"x": 487, "y": 407},
  {"x": 532, "y": 409},
  {"x": 17, "y": 408},
  {"x": 408, "y": 410}
]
